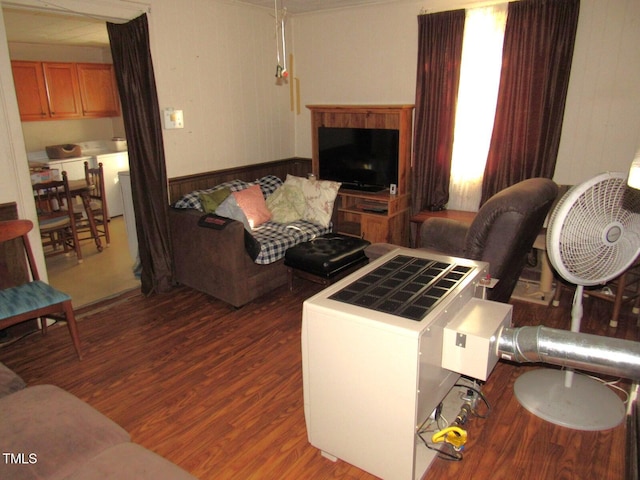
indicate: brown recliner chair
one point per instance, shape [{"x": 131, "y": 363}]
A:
[{"x": 502, "y": 232}]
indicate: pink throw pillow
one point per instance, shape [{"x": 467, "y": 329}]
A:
[{"x": 252, "y": 203}]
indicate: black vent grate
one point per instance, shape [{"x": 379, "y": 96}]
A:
[{"x": 405, "y": 286}]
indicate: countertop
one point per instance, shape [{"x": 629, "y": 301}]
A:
[{"x": 89, "y": 150}]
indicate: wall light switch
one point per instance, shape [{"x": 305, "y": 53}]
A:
[{"x": 173, "y": 119}]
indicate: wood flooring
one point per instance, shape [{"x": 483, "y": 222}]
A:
[{"x": 218, "y": 390}]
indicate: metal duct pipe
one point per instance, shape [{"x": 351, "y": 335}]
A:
[{"x": 593, "y": 353}]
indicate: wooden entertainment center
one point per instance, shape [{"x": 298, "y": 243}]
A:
[{"x": 376, "y": 217}]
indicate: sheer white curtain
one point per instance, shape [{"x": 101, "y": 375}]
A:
[{"x": 477, "y": 94}]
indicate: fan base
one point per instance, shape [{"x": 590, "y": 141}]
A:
[{"x": 586, "y": 405}]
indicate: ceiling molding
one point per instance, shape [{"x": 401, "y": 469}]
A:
[{"x": 82, "y": 23}]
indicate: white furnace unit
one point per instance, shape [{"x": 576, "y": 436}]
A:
[{"x": 381, "y": 349}]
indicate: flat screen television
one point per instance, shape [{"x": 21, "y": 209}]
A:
[{"x": 363, "y": 159}]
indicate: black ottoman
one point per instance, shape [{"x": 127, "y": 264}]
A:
[{"x": 325, "y": 259}]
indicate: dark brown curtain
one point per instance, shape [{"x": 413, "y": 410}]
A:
[
  {"x": 536, "y": 62},
  {"x": 439, "y": 57},
  {"x": 141, "y": 114}
]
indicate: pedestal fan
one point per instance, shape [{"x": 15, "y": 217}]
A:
[{"x": 593, "y": 236}]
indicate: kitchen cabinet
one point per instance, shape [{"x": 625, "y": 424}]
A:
[
  {"x": 98, "y": 90},
  {"x": 30, "y": 90},
  {"x": 57, "y": 91},
  {"x": 63, "y": 90}
]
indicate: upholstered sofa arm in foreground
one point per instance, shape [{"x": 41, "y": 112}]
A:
[{"x": 48, "y": 433}]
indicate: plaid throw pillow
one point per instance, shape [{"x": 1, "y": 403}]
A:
[{"x": 268, "y": 185}]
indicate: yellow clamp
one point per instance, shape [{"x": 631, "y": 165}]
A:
[{"x": 455, "y": 436}]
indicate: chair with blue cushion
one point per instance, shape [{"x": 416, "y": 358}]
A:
[{"x": 35, "y": 298}]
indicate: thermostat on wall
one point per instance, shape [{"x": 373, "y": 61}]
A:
[{"x": 173, "y": 119}]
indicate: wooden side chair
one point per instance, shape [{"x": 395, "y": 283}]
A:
[
  {"x": 35, "y": 298},
  {"x": 620, "y": 291},
  {"x": 98, "y": 203},
  {"x": 57, "y": 224}
]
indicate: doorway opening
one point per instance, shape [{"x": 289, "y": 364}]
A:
[{"x": 109, "y": 272}]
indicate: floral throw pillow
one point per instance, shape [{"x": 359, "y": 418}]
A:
[
  {"x": 319, "y": 195},
  {"x": 287, "y": 204}
]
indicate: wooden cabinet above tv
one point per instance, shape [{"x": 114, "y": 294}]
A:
[{"x": 393, "y": 117}]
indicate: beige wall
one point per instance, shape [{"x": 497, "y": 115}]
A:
[
  {"x": 601, "y": 130},
  {"x": 215, "y": 60},
  {"x": 368, "y": 55},
  {"x": 363, "y": 55},
  {"x": 58, "y": 53}
]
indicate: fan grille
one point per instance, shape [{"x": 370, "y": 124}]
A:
[{"x": 594, "y": 232}]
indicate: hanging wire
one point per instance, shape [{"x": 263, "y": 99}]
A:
[
  {"x": 285, "y": 73},
  {"x": 281, "y": 49},
  {"x": 278, "y": 66}
]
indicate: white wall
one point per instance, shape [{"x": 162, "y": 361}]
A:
[
  {"x": 360, "y": 55},
  {"x": 601, "y": 130},
  {"x": 216, "y": 61},
  {"x": 368, "y": 55}
]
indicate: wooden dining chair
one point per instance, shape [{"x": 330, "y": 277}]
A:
[
  {"x": 57, "y": 224},
  {"x": 35, "y": 298},
  {"x": 98, "y": 204},
  {"x": 623, "y": 290},
  {"x": 98, "y": 195}
]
